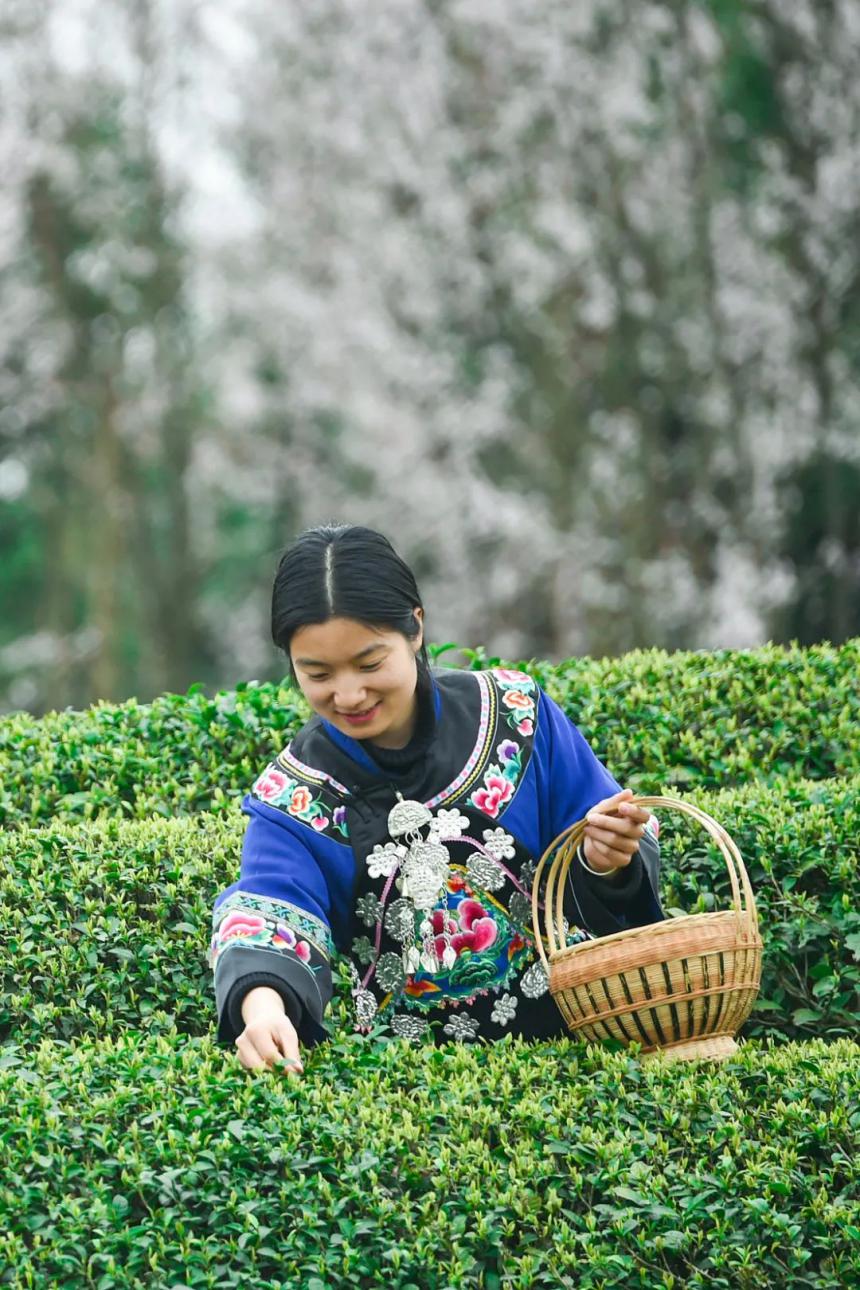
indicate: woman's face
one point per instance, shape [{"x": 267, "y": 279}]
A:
[{"x": 361, "y": 679}]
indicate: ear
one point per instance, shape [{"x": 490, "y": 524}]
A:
[{"x": 418, "y": 613}]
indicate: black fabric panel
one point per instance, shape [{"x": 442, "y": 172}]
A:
[{"x": 245, "y": 967}]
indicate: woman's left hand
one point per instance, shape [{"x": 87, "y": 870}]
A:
[{"x": 612, "y": 832}]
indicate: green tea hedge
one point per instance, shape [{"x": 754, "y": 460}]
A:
[
  {"x": 659, "y": 721},
  {"x": 143, "y": 1160},
  {"x": 106, "y": 925}
]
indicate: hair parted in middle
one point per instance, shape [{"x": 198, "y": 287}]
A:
[{"x": 344, "y": 571}]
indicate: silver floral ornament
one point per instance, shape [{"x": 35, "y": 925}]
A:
[
  {"x": 384, "y": 859},
  {"x": 362, "y": 949},
  {"x": 534, "y": 982},
  {"x": 499, "y": 844},
  {"x": 484, "y": 872},
  {"x": 462, "y": 1027},
  {"x": 504, "y": 1010},
  {"x": 390, "y": 974},
  {"x": 408, "y": 1027},
  {"x": 400, "y": 921},
  {"x": 528, "y": 870},
  {"x": 449, "y": 824},
  {"x": 521, "y": 909},
  {"x": 369, "y": 909}
]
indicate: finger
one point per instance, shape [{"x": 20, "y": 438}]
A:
[
  {"x": 248, "y": 1055},
  {"x": 288, "y": 1045},
  {"x": 274, "y": 1059},
  {"x": 626, "y": 846},
  {"x": 627, "y": 828},
  {"x": 629, "y": 811},
  {"x": 612, "y": 859}
]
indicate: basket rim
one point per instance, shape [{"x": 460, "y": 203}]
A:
[
  {"x": 641, "y": 947},
  {"x": 660, "y": 929}
]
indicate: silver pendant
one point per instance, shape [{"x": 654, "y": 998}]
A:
[
  {"x": 425, "y": 873},
  {"x": 406, "y": 816}
]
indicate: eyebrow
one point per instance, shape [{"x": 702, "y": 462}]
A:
[{"x": 314, "y": 662}]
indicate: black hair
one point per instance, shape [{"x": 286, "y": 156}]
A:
[{"x": 344, "y": 571}]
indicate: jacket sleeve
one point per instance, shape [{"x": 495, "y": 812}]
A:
[
  {"x": 571, "y": 780},
  {"x": 272, "y": 927}
]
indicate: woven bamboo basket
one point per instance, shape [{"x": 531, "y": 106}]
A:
[{"x": 681, "y": 988}]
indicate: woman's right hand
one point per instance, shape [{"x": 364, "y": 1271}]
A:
[{"x": 269, "y": 1037}]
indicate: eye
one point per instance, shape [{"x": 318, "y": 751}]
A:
[
  {"x": 372, "y": 667},
  {"x": 321, "y": 677}
]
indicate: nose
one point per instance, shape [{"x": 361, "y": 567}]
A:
[{"x": 350, "y": 699}]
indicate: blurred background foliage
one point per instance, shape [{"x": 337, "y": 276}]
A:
[{"x": 563, "y": 298}]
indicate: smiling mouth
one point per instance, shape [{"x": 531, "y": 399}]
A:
[{"x": 359, "y": 716}]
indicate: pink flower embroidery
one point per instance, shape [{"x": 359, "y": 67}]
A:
[
  {"x": 241, "y": 924},
  {"x": 510, "y": 674},
  {"x": 320, "y": 822},
  {"x": 516, "y": 699},
  {"x": 303, "y": 951},
  {"x": 496, "y": 792},
  {"x": 270, "y": 784},
  {"x": 526, "y": 726},
  {"x": 478, "y": 930}
]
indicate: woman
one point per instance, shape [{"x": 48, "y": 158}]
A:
[{"x": 402, "y": 827}]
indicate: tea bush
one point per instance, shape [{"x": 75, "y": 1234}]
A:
[
  {"x": 158, "y": 1161},
  {"x": 659, "y": 721}
]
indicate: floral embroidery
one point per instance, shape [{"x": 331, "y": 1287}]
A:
[
  {"x": 519, "y": 697},
  {"x": 278, "y": 789},
  {"x": 500, "y": 779},
  {"x": 497, "y": 791},
  {"x": 339, "y": 821},
  {"x": 245, "y": 918},
  {"x": 473, "y": 930}
]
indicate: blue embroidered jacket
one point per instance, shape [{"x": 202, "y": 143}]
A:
[{"x": 504, "y": 773}]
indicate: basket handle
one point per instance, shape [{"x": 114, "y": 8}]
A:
[{"x": 568, "y": 841}]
